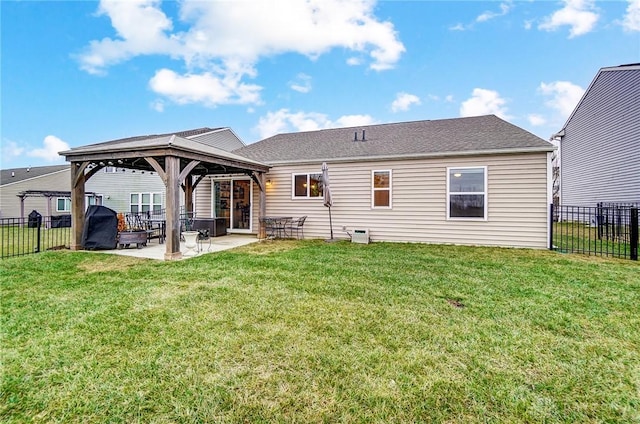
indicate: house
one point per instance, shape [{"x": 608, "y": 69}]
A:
[
  {"x": 47, "y": 188},
  {"x": 600, "y": 142},
  {"x": 43, "y": 179},
  {"x": 475, "y": 181}
]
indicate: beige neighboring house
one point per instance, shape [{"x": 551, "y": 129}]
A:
[
  {"x": 471, "y": 181},
  {"x": 46, "y": 189},
  {"x": 123, "y": 190},
  {"x": 41, "y": 178}
]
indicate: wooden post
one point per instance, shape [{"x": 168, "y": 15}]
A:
[
  {"x": 172, "y": 170},
  {"x": 262, "y": 210},
  {"x": 188, "y": 195},
  {"x": 22, "y": 221},
  {"x": 77, "y": 205}
]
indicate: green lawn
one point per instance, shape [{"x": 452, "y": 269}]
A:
[
  {"x": 17, "y": 241},
  {"x": 580, "y": 238},
  {"x": 307, "y": 332}
]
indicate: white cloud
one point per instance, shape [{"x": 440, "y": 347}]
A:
[
  {"x": 10, "y": 150},
  {"x": 449, "y": 98},
  {"x": 141, "y": 27},
  {"x": 484, "y": 102},
  {"x": 580, "y": 15},
  {"x": 222, "y": 41},
  {"x": 457, "y": 27},
  {"x": 49, "y": 152},
  {"x": 157, "y": 105},
  {"x": 352, "y": 121},
  {"x": 283, "y": 121},
  {"x": 505, "y": 7},
  {"x": 564, "y": 96},
  {"x": 302, "y": 83},
  {"x": 536, "y": 120},
  {"x": 207, "y": 88},
  {"x": 631, "y": 21},
  {"x": 404, "y": 101}
]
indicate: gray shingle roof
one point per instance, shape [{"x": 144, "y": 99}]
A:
[
  {"x": 475, "y": 135},
  {"x": 13, "y": 175},
  {"x": 184, "y": 134}
]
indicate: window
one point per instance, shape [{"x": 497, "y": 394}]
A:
[
  {"x": 145, "y": 202},
  {"x": 467, "y": 193},
  {"x": 110, "y": 169},
  {"x": 93, "y": 200},
  {"x": 307, "y": 185},
  {"x": 63, "y": 204},
  {"x": 381, "y": 189}
]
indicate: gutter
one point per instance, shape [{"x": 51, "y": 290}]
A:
[{"x": 544, "y": 149}]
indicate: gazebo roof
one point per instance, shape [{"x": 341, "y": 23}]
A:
[
  {"x": 48, "y": 193},
  {"x": 129, "y": 153}
]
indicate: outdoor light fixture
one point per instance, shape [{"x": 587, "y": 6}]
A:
[{"x": 268, "y": 182}]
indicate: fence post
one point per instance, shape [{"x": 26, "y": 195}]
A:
[
  {"x": 634, "y": 233},
  {"x": 38, "y": 229},
  {"x": 551, "y": 211}
]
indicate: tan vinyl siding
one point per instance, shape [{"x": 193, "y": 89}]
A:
[
  {"x": 202, "y": 199},
  {"x": 10, "y": 202},
  {"x": 116, "y": 187},
  {"x": 517, "y": 201}
]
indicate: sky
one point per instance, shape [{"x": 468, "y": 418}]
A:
[{"x": 80, "y": 72}]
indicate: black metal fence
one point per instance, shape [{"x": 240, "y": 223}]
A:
[
  {"x": 608, "y": 229},
  {"x": 24, "y": 236}
]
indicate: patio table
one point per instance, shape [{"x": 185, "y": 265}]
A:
[{"x": 276, "y": 226}]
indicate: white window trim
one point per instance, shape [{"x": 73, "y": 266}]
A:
[
  {"x": 485, "y": 193},
  {"x": 151, "y": 195},
  {"x": 293, "y": 186},
  {"x": 390, "y": 189},
  {"x": 65, "y": 203}
]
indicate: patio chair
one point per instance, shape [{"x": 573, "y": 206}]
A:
[
  {"x": 269, "y": 227},
  {"x": 297, "y": 225}
]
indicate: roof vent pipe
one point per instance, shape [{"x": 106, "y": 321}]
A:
[
  {"x": 363, "y": 135},
  {"x": 355, "y": 136}
]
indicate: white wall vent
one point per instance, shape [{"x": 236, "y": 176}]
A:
[{"x": 360, "y": 236}]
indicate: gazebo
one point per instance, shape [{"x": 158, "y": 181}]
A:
[
  {"x": 180, "y": 162},
  {"x": 47, "y": 194}
]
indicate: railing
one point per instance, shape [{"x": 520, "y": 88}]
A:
[
  {"x": 604, "y": 230},
  {"x": 25, "y": 236}
]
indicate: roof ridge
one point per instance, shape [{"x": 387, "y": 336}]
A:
[{"x": 365, "y": 126}]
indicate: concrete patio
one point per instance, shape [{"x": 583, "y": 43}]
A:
[{"x": 155, "y": 250}]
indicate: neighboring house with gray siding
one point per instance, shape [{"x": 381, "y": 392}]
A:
[
  {"x": 600, "y": 142},
  {"x": 122, "y": 190},
  {"x": 473, "y": 181},
  {"x": 19, "y": 180}
]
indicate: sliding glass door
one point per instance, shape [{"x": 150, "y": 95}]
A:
[{"x": 232, "y": 201}]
